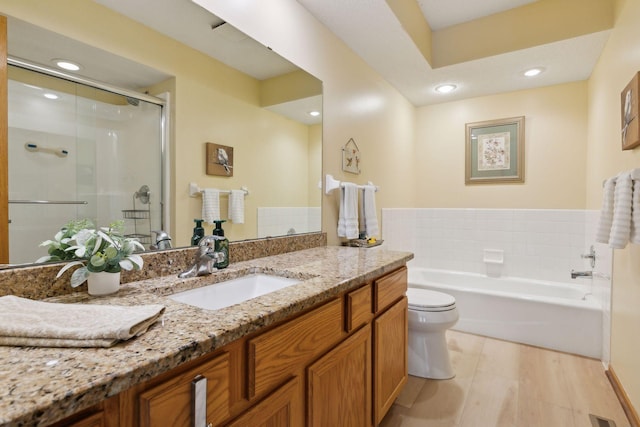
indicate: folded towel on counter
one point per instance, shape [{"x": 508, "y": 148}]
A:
[
  {"x": 606, "y": 212},
  {"x": 368, "y": 212},
  {"x": 25, "y": 322},
  {"x": 348, "y": 219},
  {"x": 621, "y": 226},
  {"x": 236, "y": 206},
  {"x": 635, "y": 214},
  {"x": 210, "y": 205}
]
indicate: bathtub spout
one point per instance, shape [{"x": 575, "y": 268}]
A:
[{"x": 576, "y": 274}]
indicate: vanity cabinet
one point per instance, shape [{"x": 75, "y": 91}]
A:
[
  {"x": 201, "y": 393},
  {"x": 339, "y": 384},
  {"x": 341, "y": 363}
]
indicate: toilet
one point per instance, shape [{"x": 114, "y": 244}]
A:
[{"x": 431, "y": 313}]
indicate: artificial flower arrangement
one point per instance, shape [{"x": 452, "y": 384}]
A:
[{"x": 97, "y": 250}]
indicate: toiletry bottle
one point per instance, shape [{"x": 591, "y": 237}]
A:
[
  {"x": 221, "y": 244},
  {"x": 198, "y": 232}
]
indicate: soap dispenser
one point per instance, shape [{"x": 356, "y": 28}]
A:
[
  {"x": 221, "y": 244},
  {"x": 198, "y": 232}
]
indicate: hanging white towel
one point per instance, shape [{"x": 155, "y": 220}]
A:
[
  {"x": 621, "y": 226},
  {"x": 236, "y": 206},
  {"x": 635, "y": 214},
  {"x": 348, "y": 219},
  {"x": 606, "y": 212},
  {"x": 210, "y": 205},
  {"x": 369, "y": 212}
]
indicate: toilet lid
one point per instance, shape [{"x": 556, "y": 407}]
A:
[{"x": 427, "y": 300}]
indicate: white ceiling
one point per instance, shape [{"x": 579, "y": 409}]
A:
[{"x": 371, "y": 30}]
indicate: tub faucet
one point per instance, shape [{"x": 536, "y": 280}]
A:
[
  {"x": 576, "y": 274},
  {"x": 205, "y": 260}
]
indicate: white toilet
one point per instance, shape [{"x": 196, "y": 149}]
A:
[{"x": 431, "y": 313}]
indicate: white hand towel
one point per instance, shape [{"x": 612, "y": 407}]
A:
[
  {"x": 606, "y": 212},
  {"x": 635, "y": 213},
  {"x": 621, "y": 227},
  {"x": 348, "y": 219},
  {"x": 370, "y": 214},
  {"x": 210, "y": 205},
  {"x": 236, "y": 206}
]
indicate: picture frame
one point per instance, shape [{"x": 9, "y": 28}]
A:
[
  {"x": 351, "y": 157},
  {"x": 494, "y": 151},
  {"x": 629, "y": 121},
  {"x": 219, "y": 160}
]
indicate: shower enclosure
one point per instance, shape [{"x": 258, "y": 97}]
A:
[{"x": 77, "y": 151}]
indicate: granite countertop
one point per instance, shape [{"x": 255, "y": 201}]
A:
[{"x": 39, "y": 386}]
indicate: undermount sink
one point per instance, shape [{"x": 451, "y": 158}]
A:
[{"x": 234, "y": 291}]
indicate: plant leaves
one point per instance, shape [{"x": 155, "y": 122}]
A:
[{"x": 79, "y": 276}]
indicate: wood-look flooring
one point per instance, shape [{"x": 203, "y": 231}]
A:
[{"x": 505, "y": 384}]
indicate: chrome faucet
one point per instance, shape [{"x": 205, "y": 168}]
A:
[
  {"x": 163, "y": 241},
  {"x": 576, "y": 274},
  {"x": 205, "y": 260}
]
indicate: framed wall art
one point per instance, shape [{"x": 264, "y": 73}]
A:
[
  {"x": 351, "y": 157},
  {"x": 495, "y": 151},
  {"x": 219, "y": 159},
  {"x": 630, "y": 125}
]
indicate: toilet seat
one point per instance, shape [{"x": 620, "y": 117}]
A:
[{"x": 428, "y": 300}]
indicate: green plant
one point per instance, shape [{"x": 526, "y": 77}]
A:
[{"x": 97, "y": 250}]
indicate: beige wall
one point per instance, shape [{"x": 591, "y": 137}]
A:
[
  {"x": 555, "y": 150},
  {"x": 617, "y": 65},
  {"x": 210, "y": 103}
]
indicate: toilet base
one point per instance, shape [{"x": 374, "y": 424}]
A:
[{"x": 429, "y": 356}]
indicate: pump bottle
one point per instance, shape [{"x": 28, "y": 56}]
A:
[{"x": 221, "y": 244}]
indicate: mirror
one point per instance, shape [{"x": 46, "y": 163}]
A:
[{"x": 283, "y": 149}]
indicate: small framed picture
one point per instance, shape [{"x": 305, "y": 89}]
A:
[
  {"x": 630, "y": 125},
  {"x": 495, "y": 151},
  {"x": 219, "y": 159},
  {"x": 351, "y": 157}
]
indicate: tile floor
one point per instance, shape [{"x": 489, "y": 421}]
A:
[{"x": 500, "y": 383}]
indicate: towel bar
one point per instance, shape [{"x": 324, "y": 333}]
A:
[
  {"x": 331, "y": 184},
  {"x": 194, "y": 190}
]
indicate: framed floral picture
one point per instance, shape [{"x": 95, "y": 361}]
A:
[
  {"x": 630, "y": 127},
  {"x": 495, "y": 151}
]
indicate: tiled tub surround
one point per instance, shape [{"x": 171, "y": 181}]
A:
[
  {"x": 42, "y": 385},
  {"x": 38, "y": 282},
  {"x": 537, "y": 244}
]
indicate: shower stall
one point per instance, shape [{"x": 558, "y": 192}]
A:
[{"x": 78, "y": 151}]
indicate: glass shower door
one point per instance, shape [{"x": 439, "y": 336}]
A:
[{"x": 76, "y": 152}]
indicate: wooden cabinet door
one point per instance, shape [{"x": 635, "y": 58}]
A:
[
  {"x": 339, "y": 384},
  {"x": 282, "y": 408},
  {"x": 170, "y": 403},
  {"x": 390, "y": 340}
]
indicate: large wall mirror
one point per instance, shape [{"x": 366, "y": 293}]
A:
[{"x": 105, "y": 149}]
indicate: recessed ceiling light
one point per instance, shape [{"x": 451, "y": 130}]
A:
[
  {"x": 314, "y": 113},
  {"x": 51, "y": 96},
  {"x": 533, "y": 72},
  {"x": 446, "y": 88},
  {"x": 66, "y": 65}
]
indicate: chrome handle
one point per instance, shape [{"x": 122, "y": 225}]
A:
[
  {"x": 199, "y": 402},
  {"x": 591, "y": 255}
]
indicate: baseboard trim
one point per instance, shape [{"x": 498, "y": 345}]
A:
[{"x": 628, "y": 408}]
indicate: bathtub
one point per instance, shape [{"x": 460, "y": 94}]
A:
[{"x": 557, "y": 316}]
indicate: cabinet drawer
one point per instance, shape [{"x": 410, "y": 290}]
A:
[
  {"x": 277, "y": 354},
  {"x": 389, "y": 289},
  {"x": 358, "y": 308},
  {"x": 169, "y": 404}
]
